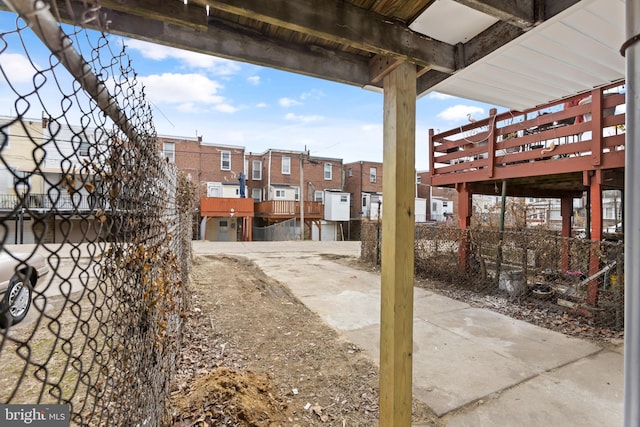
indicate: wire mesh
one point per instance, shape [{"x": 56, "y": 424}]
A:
[
  {"x": 95, "y": 226},
  {"x": 573, "y": 275}
]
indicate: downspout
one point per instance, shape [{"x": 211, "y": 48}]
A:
[
  {"x": 269, "y": 178},
  {"x": 361, "y": 190},
  {"x": 632, "y": 220}
]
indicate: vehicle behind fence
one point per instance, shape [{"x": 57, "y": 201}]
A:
[
  {"x": 95, "y": 226},
  {"x": 536, "y": 264}
]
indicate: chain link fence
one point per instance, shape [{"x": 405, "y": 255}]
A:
[
  {"x": 573, "y": 274},
  {"x": 95, "y": 226},
  {"x": 281, "y": 231}
]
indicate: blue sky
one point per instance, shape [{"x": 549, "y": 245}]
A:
[
  {"x": 236, "y": 103},
  {"x": 233, "y": 103}
]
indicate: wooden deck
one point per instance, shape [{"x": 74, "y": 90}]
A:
[
  {"x": 285, "y": 209},
  {"x": 226, "y": 207},
  {"x": 542, "y": 152}
]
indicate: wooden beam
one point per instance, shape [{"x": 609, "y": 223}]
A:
[
  {"x": 189, "y": 15},
  {"x": 398, "y": 223},
  {"x": 227, "y": 43},
  {"x": 381, "y": 65},
  {"x": 489, "y": 40},
  {"x": 518, "y": 13},
  {"x": 340, "y": 22}
]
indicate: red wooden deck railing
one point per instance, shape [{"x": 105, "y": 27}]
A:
[{"x": 580, "y": 133}]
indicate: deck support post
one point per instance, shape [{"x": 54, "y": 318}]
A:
[
  {"x": 398, "y": 230},
  {"x": 465, "y": 209},
  {"x": 595, "y": 190},
  {"x": 566, "y": 211}
]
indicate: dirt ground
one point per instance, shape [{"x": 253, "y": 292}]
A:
[{"x": 255, "y": 356}]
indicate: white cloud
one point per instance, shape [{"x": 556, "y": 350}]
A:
[
  {"x": 254, "y": 80},
  {"x": 303, "y": 119},
  {"x": 225, "y": 108},
  {"x": 440, "y": 96},
  {"x": 170, "y": 88},
  {"x": 262, "y": 105},
  {"x": 372, "y": 127},
  {"x": 212, "y": 64},
  {"x": 459, "y": 112},
  {"x": 312, "y": 94},
  {"x": 17, "y": 67},
  {"x": 288, "y": 102}
]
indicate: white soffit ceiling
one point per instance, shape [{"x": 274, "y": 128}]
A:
[
  {"x": 436, "y": 22},
  {"x": 575, "y": 51}
]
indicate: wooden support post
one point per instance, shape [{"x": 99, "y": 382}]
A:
[
  {"x": 566, "y": 211},
  {"x": 595, "y": 190},
  {"x": 464, "y": 217},
  {"x": 398, "y": 229},
  {"x": 596, "y": 125}
]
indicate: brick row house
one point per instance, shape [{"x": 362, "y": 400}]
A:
[{"x": 236, "y": 188}]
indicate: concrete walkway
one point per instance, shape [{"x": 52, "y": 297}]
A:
[{"x": 472, "y": 366}]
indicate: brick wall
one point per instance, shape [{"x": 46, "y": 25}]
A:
[
  {"x": 203, "y": 161},
  {"x": 358, "y": 180},
  {"x": 314, "y": 180}
]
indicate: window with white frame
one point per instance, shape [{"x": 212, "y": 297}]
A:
[
  {"x": 279, "y": 194},
  {"x": 373, "y": 174},
  {"x": 297, "y": 193},
  {"x": 328, "y": 171},
  {"x": 246, "y": 167},
  {"x": 318, "y": 196},
  {"x": 169, "y": 151},
  {"x": 256, "y": 194},
  {"x": 350, "y": 172},
  {"x": 286, "y": 165},
  {"x": 418, "y": 179},
  {"x": 225, "y": 160},
  {"x": 344, "y": 198},
  {"x": 214, "y": 189},
  {"x": 256, "y": 170}
]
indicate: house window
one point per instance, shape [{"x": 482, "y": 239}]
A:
[
  {"x": 169, "y": 151},
  {"x": 373, "y": 175},
  {"x": 445, "y": 204},
  {"x": 246, "y": 167},
  {"x": 280, "y": 194},
  {"x": 418, "y": 179},
  {"x": 328, "y": 171},
  {"x": 319, "y": 195},
  {"x": 256, "y": 194},
  {"x": 224, "y": 223},
  {"x": 286, "y": 165},
  {"x": 350, "y": 172},
  {"x": 214, "y": 189},
  {"x": 84, "y": 148},
  {"x": 344, "y": 198},
  {"x": 225, "y": 160},
  {"x": 256, "y": 170},
  {"x": 297, "y": 194},
  {"x": 364, "y": 202}
]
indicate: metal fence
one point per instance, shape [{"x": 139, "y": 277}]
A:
[
  {"x": 108, "y": 220},
  {"x": 282, "y": 231},
  {"x": 573, "y": 274}
]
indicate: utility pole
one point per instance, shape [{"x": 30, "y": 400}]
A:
[{"x": 302, "y": 196}]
